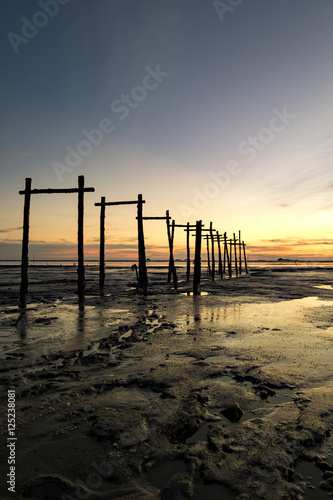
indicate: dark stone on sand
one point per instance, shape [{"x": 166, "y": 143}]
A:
[
  {"x": 264, "y": 391},
  {"x": 327, "y": 485},
  {"x": 232, "y": 412}
]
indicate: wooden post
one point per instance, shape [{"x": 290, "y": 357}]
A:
[
  {"x": 224, "y": 255},
  {"x": 213, "y": 256},
  {"x": 171, "y": 235},
  {"x": 240, "y": 253},
  {"x": 245, "y": 262},
  {"x": 25, "y": 246},
  {"x": 143, "y": 280},
  {"x": 208, "y": 256},
  {"x": 188, "y": 263},
  {"x": 102, "y": 248},
  {"x": 227, "y": 254},
  {"x": 230, "y": 256},
  {"x": 197, "y": 258},
  {"x": 220, "y": 255},
  {"x": 80, "y": 269},
  {"x": 235, "y": 251}
]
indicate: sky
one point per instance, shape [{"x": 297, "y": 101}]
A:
[{"x": 214, "y": 110}]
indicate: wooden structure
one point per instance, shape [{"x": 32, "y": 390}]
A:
[
  {"x": 188, "y": 226},
  {"x": 170, "y": 233},
  {"x": 143, "y": 281},
  {"x": 25, "y": 241}
]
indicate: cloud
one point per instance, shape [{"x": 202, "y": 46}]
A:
[{"x": 10, "y": 229}]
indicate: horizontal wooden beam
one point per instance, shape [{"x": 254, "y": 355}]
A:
[
  {"x": 109, "y": 203},
  {"x": 58, "y": 191},
  {"x": 155, "y": 218}
]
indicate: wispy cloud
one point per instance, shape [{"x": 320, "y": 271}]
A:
[{"x": 10, "y": 229}]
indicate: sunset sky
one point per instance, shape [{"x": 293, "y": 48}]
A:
[{"x": 214, "y": 110}]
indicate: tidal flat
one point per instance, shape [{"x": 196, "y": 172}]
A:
[{"x": 124, "y": 400}]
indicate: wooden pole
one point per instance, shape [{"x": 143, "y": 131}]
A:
[
  {"x": 174, "y": 273},
  {"x": 224, "y": 255},
  {"x": 235, "y": 251},
  {"x": 213, "y": 256},
  {"x": 208, "y": 256},
  {"x": 102, "y": 248},
  {"x": 245, "y": 262},
  {"x": 25, "y": 245},
  {"x": 230, "y": 256},
  {"x": 170, "y": 245},
  {"x": 188, "y": 264},
  {"x": 171, "y": 235},
  {"x": 227, "y": 254},
  {"x": 220, "y": 254},
  {"x": 143, "y": 280},
  {"x": 197, "y": 258},
  {"x": 80, "y": 270},
  {"x": 240, "y": 253}
]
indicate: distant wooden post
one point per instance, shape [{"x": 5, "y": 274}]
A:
[
  {"x": 235, "y": 251},
  {"x": 208, "y": 256},
  {"x": 230, "y": 255},
  {"x": 188, "y": 256},
  {"x": 24, "y": 269},
  {"x": 240, "y": 252},
  {"x": 197, "y": 258},
  {"x": 220, "y": 254},
  {"x": 213, "y": 256},
  {"x": 25, "y": 245},
  {"x": 143, "y": 279},
  {"x": 171, "y": 235},
  {"x": 227, "y": 254},
  {"x": 245, "y": 262},
  {"x": 102, "y": 248}
]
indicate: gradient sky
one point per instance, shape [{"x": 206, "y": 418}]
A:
[{"x": 228, "y": 74}]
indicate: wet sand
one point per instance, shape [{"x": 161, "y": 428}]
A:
[{"x": 125, "y": 400}]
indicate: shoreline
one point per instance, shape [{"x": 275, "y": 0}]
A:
[{"x": 138, "y": 383}]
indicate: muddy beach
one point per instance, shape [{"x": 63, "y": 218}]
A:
[{"x": 125, "y": 400}]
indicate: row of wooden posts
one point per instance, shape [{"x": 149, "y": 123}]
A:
[{"x": 224, "y": 263}]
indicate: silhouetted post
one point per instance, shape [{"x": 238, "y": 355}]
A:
[
  {"x": 197, "y": 258},
  {"x": 102, "y": 248},
  {"x": 224, "y": 254},
  {"x": 240, "y": 253},
  {"x": 208, "y": 256},
  {"x": 227, "y": 254},
  {"x": 171, "y": 234},
  {"x": 25, "y": 245},
  {"x": 245, "y": 262},
  {"x": 143, "y": 279},
  {"x": 213, "y": 256},
  {"x": 235, "y": 251},
  {"x": 220, "y": 254},
  {"x": 230, "y": 255},
  {"x": 80, "y": 268},
  {"x": 188, "y": 256}
]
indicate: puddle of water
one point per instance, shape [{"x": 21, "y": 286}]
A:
[
  {"x": 160, "y": 475},
  {"x": 182, "y": 356},
  {"x": 311, "y": 475},
  {"x": 325, "y": 287},
  {"x": 282, "y": 396},
  {"x": 213, "y": 491},
  {"x": 191, "y": 293}
]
